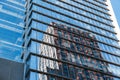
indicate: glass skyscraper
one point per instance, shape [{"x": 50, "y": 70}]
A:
[
  {"x": 11, "y": 28},
  {"x": 70, "y": 40}
]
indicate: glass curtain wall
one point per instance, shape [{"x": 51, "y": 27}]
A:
[
  {"x": 70, "y": 40},
  {"x": 11, "y": 28}
]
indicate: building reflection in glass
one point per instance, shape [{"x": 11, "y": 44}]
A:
[{"x": 72, "y": 48}]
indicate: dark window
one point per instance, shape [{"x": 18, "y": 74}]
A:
[
  {"x": 65, "y": 70},
  {"x": 96, "y": 53},
  {"x": 51, "y": 78},
  {"x": 78, "y": 59},
  {"x": 63, "y": 55},
  {"x": 73, "y": 57},
  {"x": 71, "y": 72},
  {"x": 66, "y": 36},
  {"x": 78, "y": 47},
  {"x": 60, "y": 41},
  {"x": 92, "y": 44},
  {"x": 59, "y": 71},
  {"x": 76, "y": 39},
  {"x": 59, "y": 33},
  {"x": 72, "y": 46},
  {"x": 99, "y": 76},
  {"x": 78, "y": 74},
  {"x": 81, "y": 48},
  {"x": 87, "y": 74},
  {"x": 99, "y": 65},
  {"x": 83, "y": 60},
  {"x": 69, "y": 29}
]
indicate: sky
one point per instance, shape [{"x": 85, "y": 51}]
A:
[{"x": 116, "y": 8}]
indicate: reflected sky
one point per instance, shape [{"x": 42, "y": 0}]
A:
[
  {"x": 116, "y": 8},
  {"x": 11, "y": 28}
]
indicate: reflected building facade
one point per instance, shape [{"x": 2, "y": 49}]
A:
[
  {"x": 11, "y": 28},
  {"x": 76, "y": 51},
  {"x": 70, "y": 40}
]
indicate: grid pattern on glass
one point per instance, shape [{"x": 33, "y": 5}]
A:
[{"x": 75, "y": 51}]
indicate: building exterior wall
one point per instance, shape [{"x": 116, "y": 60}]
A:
[
  {"x": 70, "y": 40},
  {"x": 76, "y": 58},
  {"x": 11, "y": 70},
  {"x": 114, "y": 18},
  {"x": 11, "y": 28}
]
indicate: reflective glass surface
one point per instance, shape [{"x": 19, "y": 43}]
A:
[
  {"x": 70, "y": 40},
  {"x": 11, "y": 28}
]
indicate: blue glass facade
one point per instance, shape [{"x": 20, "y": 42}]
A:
[
  {"x": 11, "y": 28},
  {"x": 63, "y": 53}
]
